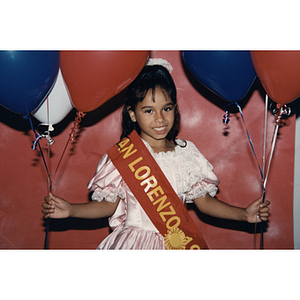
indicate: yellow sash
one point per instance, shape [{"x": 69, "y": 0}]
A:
[{"x": 155, "y": 194}]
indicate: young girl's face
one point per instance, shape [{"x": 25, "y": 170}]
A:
[{"x": 154, "y": 115}]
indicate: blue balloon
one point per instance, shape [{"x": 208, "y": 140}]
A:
[
  {"x": 26, "y": 77},
  {"x": 229, "y": 74}
]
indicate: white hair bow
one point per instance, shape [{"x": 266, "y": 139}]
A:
[{"x": 160, "y": 61}]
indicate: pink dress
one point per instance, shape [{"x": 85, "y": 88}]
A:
[{"x": 189, "y": 173}]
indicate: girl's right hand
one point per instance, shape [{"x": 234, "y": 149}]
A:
[{"x": 55, "y": 207}]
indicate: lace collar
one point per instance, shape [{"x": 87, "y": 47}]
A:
[{"x": 167, "y": 153}]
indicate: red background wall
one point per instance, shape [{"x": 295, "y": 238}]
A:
[{"x": 24, "y": 182}]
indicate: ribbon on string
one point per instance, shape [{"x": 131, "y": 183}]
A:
[
  {"x": 48, "y": 138},
  {"x": 38, "y": 137},
  {"x": 79, "y": 116},
  {"x": 76, "y": 123},
  {"x": 50, "y": 142},
  {"x": 280, "y": 111},
  {"x": 34, "y": 143},
  {"x": 226, "y": 117}
]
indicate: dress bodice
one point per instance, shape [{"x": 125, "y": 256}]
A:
[{"x": 188, "y": 172}]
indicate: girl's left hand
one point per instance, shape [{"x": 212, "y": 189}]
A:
[{"x": 258, "y": 211}]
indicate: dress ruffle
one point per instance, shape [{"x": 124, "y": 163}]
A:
[
  {"x": 107, "y": 183},
  {"x": 132, "y": 239}
]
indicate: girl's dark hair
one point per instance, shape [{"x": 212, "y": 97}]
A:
[{"x": 149, "y": 78}]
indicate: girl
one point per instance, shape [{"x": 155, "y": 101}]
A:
[{"x": 151, "y": 110}]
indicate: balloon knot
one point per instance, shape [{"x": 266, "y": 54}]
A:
[
  {"x": 48, "y": 138},
  {"x": 226, "y": 117},
  {"x": 227, "y": 114},
  {"x": 34, "y": 143},
  {"x": 280, "y": 111}
]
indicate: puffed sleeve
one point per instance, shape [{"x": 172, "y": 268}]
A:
[
  {"x": 203, "y": 178},
  {"x": 107, "y": 182}
]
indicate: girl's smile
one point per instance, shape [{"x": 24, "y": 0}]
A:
[
  {"x": 160, "y": 130},
  {"x": 155, "y": 117}
]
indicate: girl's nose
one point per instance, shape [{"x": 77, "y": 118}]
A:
[{"x": 159, "y": 117}]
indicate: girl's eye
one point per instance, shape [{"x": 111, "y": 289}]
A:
[
  {"x": 148, "y": 111},
  {"x": 168, "y": 108}
]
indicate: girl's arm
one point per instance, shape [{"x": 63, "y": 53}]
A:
[
  {"x": 216, "y": 208},
  {"x": 57, "y": 208}
]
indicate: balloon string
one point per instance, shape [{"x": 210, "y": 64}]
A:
[
  {"x": 263, "y": 182},
  {"x": 251, "y": 143},
  {"x": 37, "y": 142},
  {"x": 272, "y": 152},
  {"x": 48, "y": 144},
  {"x": 76, "y": 123},
  {"x": 282, "y": 110},
  {"x": 265, "y": 132},
  {"x": 264, "y": 166},
  {"x": 46, "y": 244},
  {"x": 226, "y": 120},
  {"x": 274, "y": 138}
]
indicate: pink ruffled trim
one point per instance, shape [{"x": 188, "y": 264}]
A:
[{"x": 132, "y": 239}]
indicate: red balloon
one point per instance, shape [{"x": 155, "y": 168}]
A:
[
  {"x": 93, "y": 77},
  {"x": 279, "y": 73}
]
